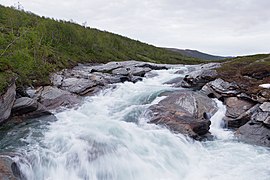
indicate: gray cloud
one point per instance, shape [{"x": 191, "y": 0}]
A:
[{"x": 224, "y": 27}]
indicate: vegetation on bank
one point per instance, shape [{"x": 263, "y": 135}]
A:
[
  {"x": 248, "y": 71},
  {"x": 31, "y": 47}
]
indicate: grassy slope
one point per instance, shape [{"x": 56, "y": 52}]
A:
[
  {"x": 248, "y": 71},
  {"x": 31, "y": 47}
]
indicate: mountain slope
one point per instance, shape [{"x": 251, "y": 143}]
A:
[
  {"x": 196, "y": 54},
  {"x": 31, "y": 47}
]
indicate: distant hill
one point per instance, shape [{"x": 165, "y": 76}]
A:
[{"x": 197, "y": 54}]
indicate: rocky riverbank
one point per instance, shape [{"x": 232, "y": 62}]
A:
[
  {"x": 186, "y": 111},
  {"x": 68, "y": 88}
]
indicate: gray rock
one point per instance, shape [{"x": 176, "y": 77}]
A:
[
  {"x": 184, "y": 112},
  {"x": 6, "y": 102},
  {"x": 236, "y": 106},
  {"x": 254, "y": 133},
  {"x": 259, "y": 116},
  {"x": 220, "y": 88},
  {"x": 265, "y": 107},
  {"x": 57, "y": 79},
  {"x": 135, "y": 71},
  {"x": 78, "y": 85},
  {"x": 266, "y": 122},
  {"x": 177, "y": 81},
  {"x": 121, "y": 71},
  {"x": 242, "y": 119},
  {"x": 199, "y": 78},
  {"x": 52, "y": 97},
  {"x": 180, "y": 72},
  {"x": 24, "y": 105}
]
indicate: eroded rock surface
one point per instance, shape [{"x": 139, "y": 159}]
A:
[{"x": 184, "y": 112}]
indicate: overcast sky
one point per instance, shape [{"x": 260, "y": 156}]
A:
[{"x": 221, "y": 27}]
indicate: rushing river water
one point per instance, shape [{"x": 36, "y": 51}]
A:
[{"x": 108, "y": 138}]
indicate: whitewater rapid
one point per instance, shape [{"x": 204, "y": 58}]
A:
[{"x": 108, "y": 138}]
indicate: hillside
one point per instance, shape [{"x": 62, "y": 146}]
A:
[
  {"x": 196, "y": 54},
  {"x": 31, "y": 47}
]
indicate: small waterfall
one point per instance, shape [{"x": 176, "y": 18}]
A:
[{"x": 217, "y": 124}]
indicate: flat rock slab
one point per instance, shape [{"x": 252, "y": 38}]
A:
[{"x": 184, "y": 112}]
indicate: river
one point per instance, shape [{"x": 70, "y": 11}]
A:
[{"x": 108, "y": 138}]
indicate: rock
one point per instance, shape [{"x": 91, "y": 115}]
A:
[
  {"x": 241, "y": 119},
  {"x": 78, "y": 85},
  {"x": 236, "y": 106},
  {"x": 265, "y": 107},
  {"x": 254, "y": 133},
  {"x": 6, "y": 102},
  {"x": 180, "y": 72},
  {"x": 57, "y": 79},
  {"x": 135, "y": 71},
  {"x": 9, "y": 169},
  {"x": 220, "y": 88},
  {"x": 150, "y": 74},
  {"x": 135, "y": 79},
  {"x": 175, "y": 81},
  {"x": 199, "y": 78},
  {"x": 52, "y": 97},
  {"x": 24, "y": 105},
  {"x": 184, "y": 112},
  {"x": 266, "y": 122}
]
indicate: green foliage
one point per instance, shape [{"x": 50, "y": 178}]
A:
[{"x": 32, "y": 47}]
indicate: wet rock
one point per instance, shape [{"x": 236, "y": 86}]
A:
[
  {"x": 220, "y": 88},
  {"x": 184, "y": 112},
  {"x": 199, "y": 78},
  {"x": 236, "y": 106},
  {"x": 135, "y": 71},
  {"x": 52, "y": 97},
  {"x": 79, "y": 85},
  {"x": 180, "y": 72},
  {"x": 150, "y": 74},
  {"x": 265, "y": 107},
  {"x": 242, "y": 119},
  {"x": 9, "y": 169},
  {"x": 6, "y": 103},
  {"x": 175, "y": 81},
  {"x": 254, "y": 133},
  {"x": 24, "y": 105}
]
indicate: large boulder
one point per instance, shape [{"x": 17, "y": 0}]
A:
[
  {"x": 184, "y": 112},
  {"x": 6, "y": 102},
  {"x": 52, "y": 97}
]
